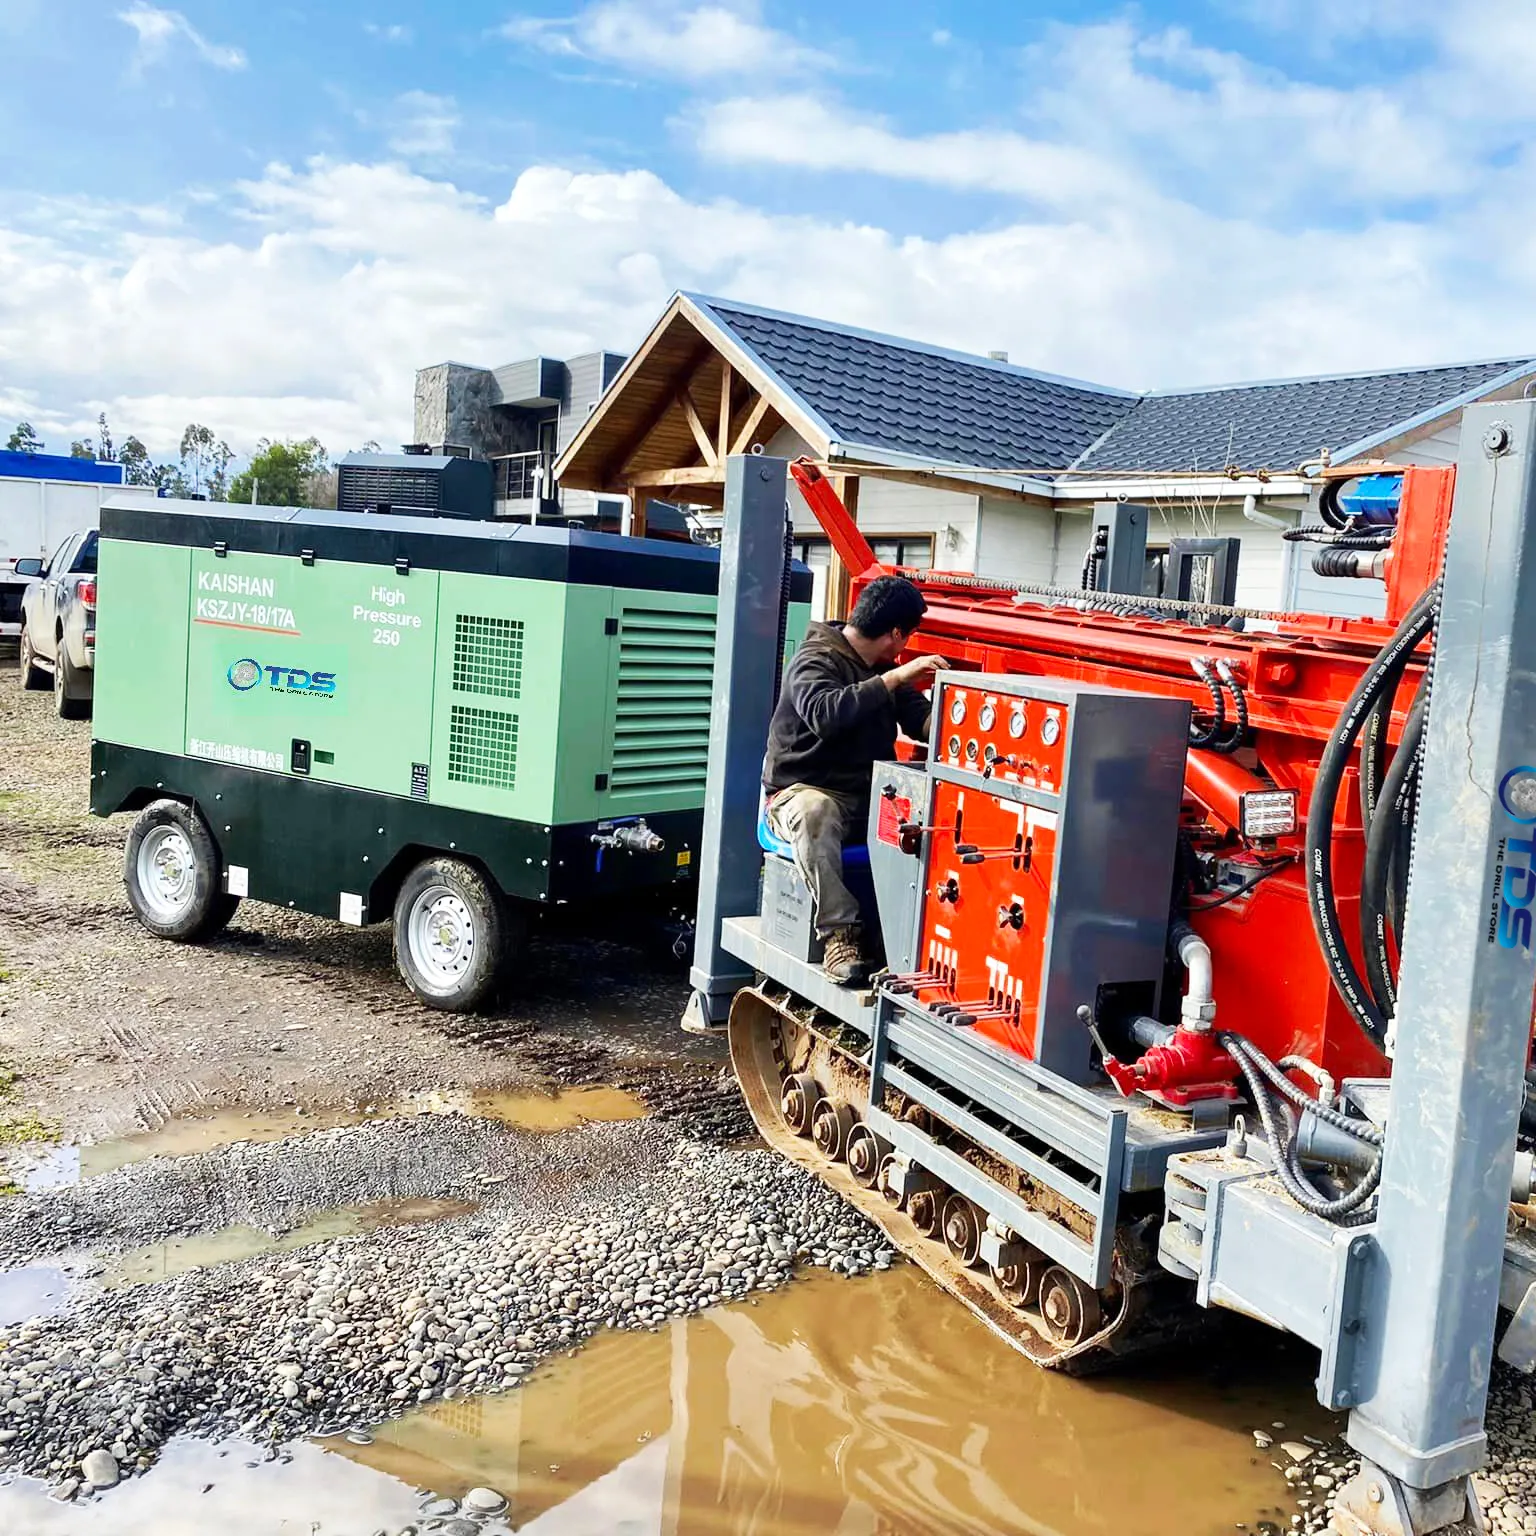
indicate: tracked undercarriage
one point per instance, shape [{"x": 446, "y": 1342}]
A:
[{"x": 805, "y": 1075}]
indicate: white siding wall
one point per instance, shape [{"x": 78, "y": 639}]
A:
[
  {"x": 1438, "y": 448},
  {"x": 894, "y": 507},
  {"x": 1017, "y": 541}
]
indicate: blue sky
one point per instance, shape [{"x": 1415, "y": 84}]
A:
[{"x": 267, "y": 217}]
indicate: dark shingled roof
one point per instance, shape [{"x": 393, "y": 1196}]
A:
[
  {"x": 1278, "y": 426},
  {"x": 881, "y": 392}
]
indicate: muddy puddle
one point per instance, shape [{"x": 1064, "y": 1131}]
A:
[
  {"x": 526, "y": 1109},
  {"x": 162, "y": 1261},
  {"x": 35, "y": 1291},
  {"x": 870, "y": 1406}
]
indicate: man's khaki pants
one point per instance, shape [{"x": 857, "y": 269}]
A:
[{"x": 816, "y": 823}]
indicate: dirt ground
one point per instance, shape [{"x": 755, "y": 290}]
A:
[{"x": 109, "y": 1030}]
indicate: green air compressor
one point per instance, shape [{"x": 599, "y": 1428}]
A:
[{"x": 456, "y": 724}]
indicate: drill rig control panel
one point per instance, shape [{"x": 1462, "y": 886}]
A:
[{"x": 1048, "y": 860}]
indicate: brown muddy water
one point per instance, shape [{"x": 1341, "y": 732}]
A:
[
  {"x": 526, "y": 1109},
  {"x": 857, "y": 1407}
]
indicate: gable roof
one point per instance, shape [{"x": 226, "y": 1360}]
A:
[
  {"x": 881, "y": 392},
  {"x": 862, "y": 397},
  {"x": 1282, "y": 424}
]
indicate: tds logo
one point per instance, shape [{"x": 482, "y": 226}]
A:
[
  {"x": 1513, "y": 874},
  {"x": 247, "y": 673}
]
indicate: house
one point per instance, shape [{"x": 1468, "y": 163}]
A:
[
  {"x": 521, "y": 417},
  {"x": 973, "y": 463}
]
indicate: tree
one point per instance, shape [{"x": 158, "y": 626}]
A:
[
  {"x": 138, "y": 467},
  {"x": 24, "y": 439},
  {"x": 105, "y": 453},
  {"x": 205, "y": 463},
  {"x": 84, "y": 448},
  {"x": 282, "y": 474}
]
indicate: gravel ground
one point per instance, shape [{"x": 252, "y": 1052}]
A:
[{"x": 620, "y": 1226}]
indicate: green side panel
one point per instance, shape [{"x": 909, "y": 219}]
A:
[
  {"x": 141, "y": 645},
  {"x": 496, "y": 702},
  {"x": 336, "y": 654},
  {"x": 794, "y": 630},
  {"x": 586, "y": 704}
]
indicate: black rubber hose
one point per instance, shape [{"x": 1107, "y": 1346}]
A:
[
  {"x": 1373, "y": 756},
  {"x": 1380, "y": 845},
  {"x": 1328, "y": 504},
  {"x": 1237, "y": 1046},
  {"x": 1402, "y": 857},
  {"x": 1239, "y": 732},
  {"x": 1380, "y": 677},
  {"x": 1213, "y": 733},
  {"x": 1345, "y": 1210}
]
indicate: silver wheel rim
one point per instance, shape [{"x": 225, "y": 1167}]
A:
[
  {"x": 167, "y": 872},
  {"x": 440, "y": 935}
]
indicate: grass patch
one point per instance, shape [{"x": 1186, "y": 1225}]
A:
[{"x": 24, "y": 1127}]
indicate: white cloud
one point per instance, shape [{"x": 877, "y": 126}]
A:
[
  {"x": 422, "y": 124},
  {"x": 158, "y": 29},
  {"x": 665, "y": 37},
  {"x": 350, "y": 276},
  {"x": 390, "y": 32}
]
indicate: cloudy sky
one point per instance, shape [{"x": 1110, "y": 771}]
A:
[{"x": 266, "y": 217}]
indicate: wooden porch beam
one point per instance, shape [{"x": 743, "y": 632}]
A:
[
  {"x": 696, "y": 425},
  {"x": 695, "y": 474},
  {"x": 743, "y": 439},
  {"x": 618, "y": 461},
  {"x": 727, "y": 383}
]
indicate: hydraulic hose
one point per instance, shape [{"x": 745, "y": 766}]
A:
[
  {"x": 785, "y": 585},
  {"x": 1381, "y": 846},
  {"x": 1239, "y": 732},
  {"x": 1211, "y": 735},
  {"x": 1259, "y": 1072},
  {"x": 1381, "y": 677}
]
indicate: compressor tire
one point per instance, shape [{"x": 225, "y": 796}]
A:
[
  {"x": 69, "y": 700},
  {"x": 454, "y": 935},
  {"x": 33, "y": 678},
  {"x": 174, "y": 873}
]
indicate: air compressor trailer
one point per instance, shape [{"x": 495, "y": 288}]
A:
[{"x": 454, "y": 724}]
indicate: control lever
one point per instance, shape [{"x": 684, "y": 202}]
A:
[
  {"x": 1011, "y": 916},
  {"x": 949, "y": 891},
  {"x": 1086, "y": 1019}
]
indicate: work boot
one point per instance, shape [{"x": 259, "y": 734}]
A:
[{"x": 844, "y": 958}]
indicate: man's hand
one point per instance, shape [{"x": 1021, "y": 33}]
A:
[{"x": 918, "y": 672}]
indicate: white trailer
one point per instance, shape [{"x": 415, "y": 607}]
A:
[{"x": 38, "y": 512}]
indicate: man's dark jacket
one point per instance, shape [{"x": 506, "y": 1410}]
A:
[{"x": 836, "y": 717}]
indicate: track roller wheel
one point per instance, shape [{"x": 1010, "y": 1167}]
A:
[
  {"x": 925, "y": 1207},
  {"x": 830, "y": 1125},
  {"x": 798, "y": 1104},
  {"x": 1069, "y": 1308},
  {"x": 962, "y": 1229},
  {"x": 866, "y": 1154},
  {"x": 886, "y": 1185},
  {"x": 1019, "y": 1282}
]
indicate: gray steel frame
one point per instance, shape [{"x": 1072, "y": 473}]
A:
[
  {"x": 1124, "y": 567},
  {"x": 747, "y": 663},
  {"x": 1463, "y": 1019},
  {"x": 1404, "y": 1311},
  {"x": 1032, "y": 1103}
]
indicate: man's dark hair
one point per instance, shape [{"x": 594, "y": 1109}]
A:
[{"x": 887, "y": 603}]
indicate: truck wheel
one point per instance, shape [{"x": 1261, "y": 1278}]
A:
[
  {"x": 175, "y": 874},
  {"x": 33, "y": 678},
  {"x": 68, "y": 699},
  {"x": 453, "y": 934}
]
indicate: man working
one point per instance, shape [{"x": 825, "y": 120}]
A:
[{"x": 837, "y": 715}]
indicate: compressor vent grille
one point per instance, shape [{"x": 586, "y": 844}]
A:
[
  {"x": 662, "y": 703},
  {"x": 487, "y": 655},
  {"x": 482, "y": 747}
]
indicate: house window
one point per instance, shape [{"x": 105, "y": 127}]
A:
[{"x": 914, "y": 551}]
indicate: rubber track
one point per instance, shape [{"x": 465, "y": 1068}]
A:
[{"x": 1155, "y": 1310}]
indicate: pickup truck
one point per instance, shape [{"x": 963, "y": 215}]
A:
[{"x": 58, "y": 624}]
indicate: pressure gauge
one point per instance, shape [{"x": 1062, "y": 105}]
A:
[
  {"x": 1050, "y": 730},
  {"x": 954, "y": 748},
  {"x": 957, "y": 709},
  {"x": 988, "y": 716},
  {"x": 1017, "y": 724},
  {"x": 989, "y": 753},
  {"x": 972, "y": 750}
]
